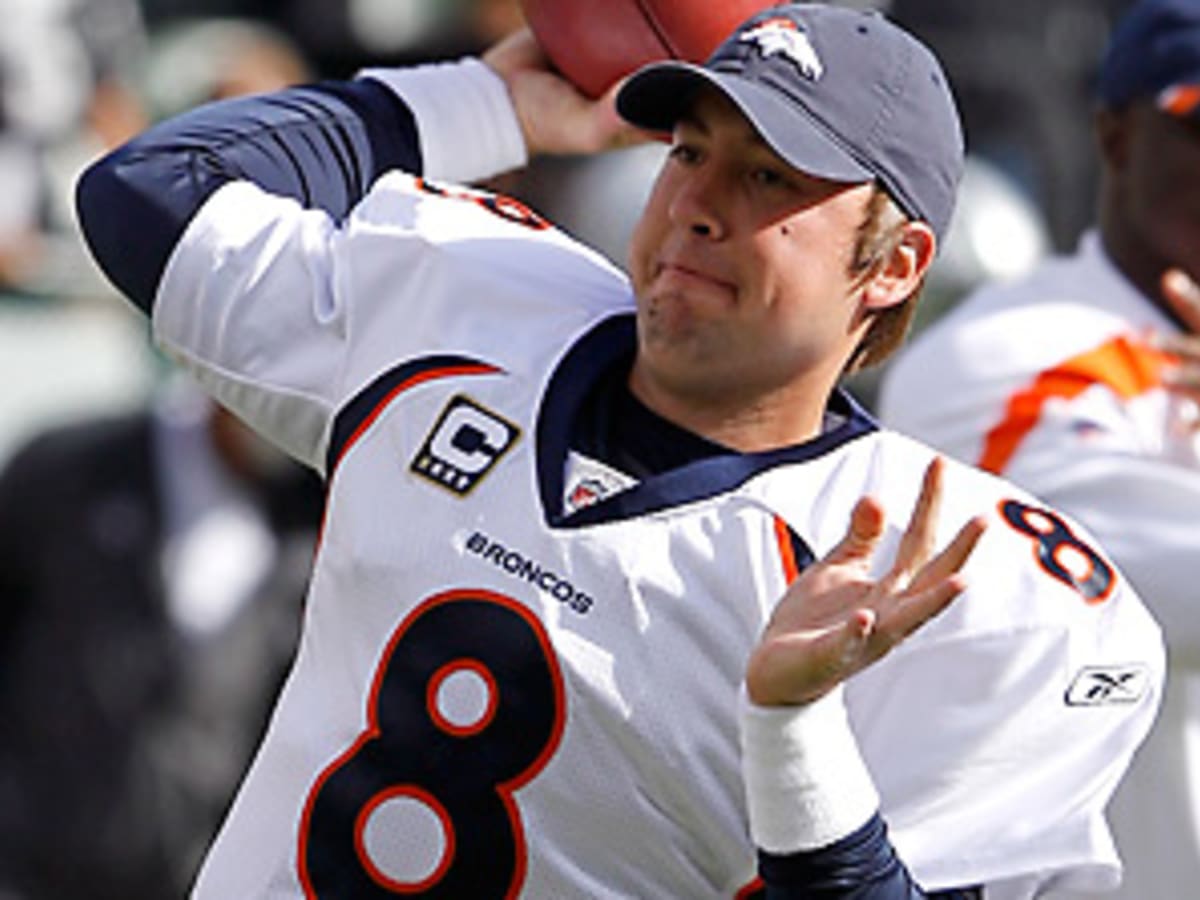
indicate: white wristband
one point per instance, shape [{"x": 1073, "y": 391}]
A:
[
  {"x": 469, "y": 129},
  {"x": 806, "y": 783}
]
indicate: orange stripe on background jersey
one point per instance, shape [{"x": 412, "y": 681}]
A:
[
  {"x": 1124, "y": 365},
  {"x": 1182, "y": 100}
]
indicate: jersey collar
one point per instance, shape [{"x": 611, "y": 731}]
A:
[{"x": 605, "y": 345}]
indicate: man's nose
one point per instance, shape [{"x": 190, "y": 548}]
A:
[{"x": 698, "y": 204}]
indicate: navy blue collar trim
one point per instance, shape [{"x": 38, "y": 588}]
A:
[{"x": 592, "y": 355}]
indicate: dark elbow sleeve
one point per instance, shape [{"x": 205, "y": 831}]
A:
[
  {"x": 861, "y": 866},
  {"x": 127, "y": 231},
  {"x": 322, "y": 145}
]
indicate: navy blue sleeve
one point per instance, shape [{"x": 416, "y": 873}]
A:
[
  {"x": 322, "y": 144},
  {"x": 861, "y": 866}
]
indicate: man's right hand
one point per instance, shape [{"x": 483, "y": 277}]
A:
[
  {"x": 1182, "y": 295},
  {"x": 836, "y": 618},
  {"x": 556, "y": 118}
]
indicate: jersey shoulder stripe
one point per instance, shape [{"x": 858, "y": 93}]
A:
[
  {"x": 354, "y": 420},
  {"x": 1124, "y": 365}
]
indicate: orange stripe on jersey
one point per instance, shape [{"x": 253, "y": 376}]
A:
[
  {"x": 362, "y": 411},
  {"x": 1126, "y": 366},
  {"x": 753, "y": 891},
  {"x": 787, "y": 551},
  {"x": 411, "y": 382},
  {"x": 1181, "y": 100}
]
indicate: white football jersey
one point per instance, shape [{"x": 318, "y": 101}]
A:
[
  {"x": 1053, "y": 381},
  {"x": 492, "y": 693}
]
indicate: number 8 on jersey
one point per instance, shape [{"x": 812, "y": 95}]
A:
[{"x": 425, "y": 759}]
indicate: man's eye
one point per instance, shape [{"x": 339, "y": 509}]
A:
[
  {"x": 769, "y": 177},
  {"x": 684, "y": 153}
]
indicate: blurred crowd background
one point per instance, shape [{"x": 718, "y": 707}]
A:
[{"x": 152, "y": 555}]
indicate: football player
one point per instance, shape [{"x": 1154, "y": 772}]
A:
[{"x": 611, "y": 567}]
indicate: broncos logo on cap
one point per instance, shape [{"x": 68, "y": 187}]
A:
[{"x": 774, "y": 36}]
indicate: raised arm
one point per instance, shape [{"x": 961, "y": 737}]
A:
[{"x": 324, "y": 145}]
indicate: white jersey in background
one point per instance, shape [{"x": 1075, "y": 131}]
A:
[{"x": 1052, "y": 381}]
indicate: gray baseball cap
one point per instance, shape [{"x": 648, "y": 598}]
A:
[{"x": 838, "y": 93}]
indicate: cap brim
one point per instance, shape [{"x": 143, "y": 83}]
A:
[{"x": 657, "y": 96}]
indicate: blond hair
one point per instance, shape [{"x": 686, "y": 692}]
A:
[{"x": 879, "y": 234}]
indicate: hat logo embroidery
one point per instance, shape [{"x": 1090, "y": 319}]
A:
[{"x": 783, "y": 36}]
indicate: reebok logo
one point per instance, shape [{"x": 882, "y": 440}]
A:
[{"x": 1108, "y": 685}]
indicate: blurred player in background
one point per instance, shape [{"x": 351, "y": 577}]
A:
[
  {"x": 602, "y": 604},
  {"x": 1080, "y": 383},
  {"x": 152, "y": 567}
]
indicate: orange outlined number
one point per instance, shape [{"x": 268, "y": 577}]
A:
[
  {"x": 467, "y": 706},
  {"x": 1060, "y": 552}
]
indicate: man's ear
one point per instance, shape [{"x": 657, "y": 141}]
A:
[{"x": 901, "y": 271}]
